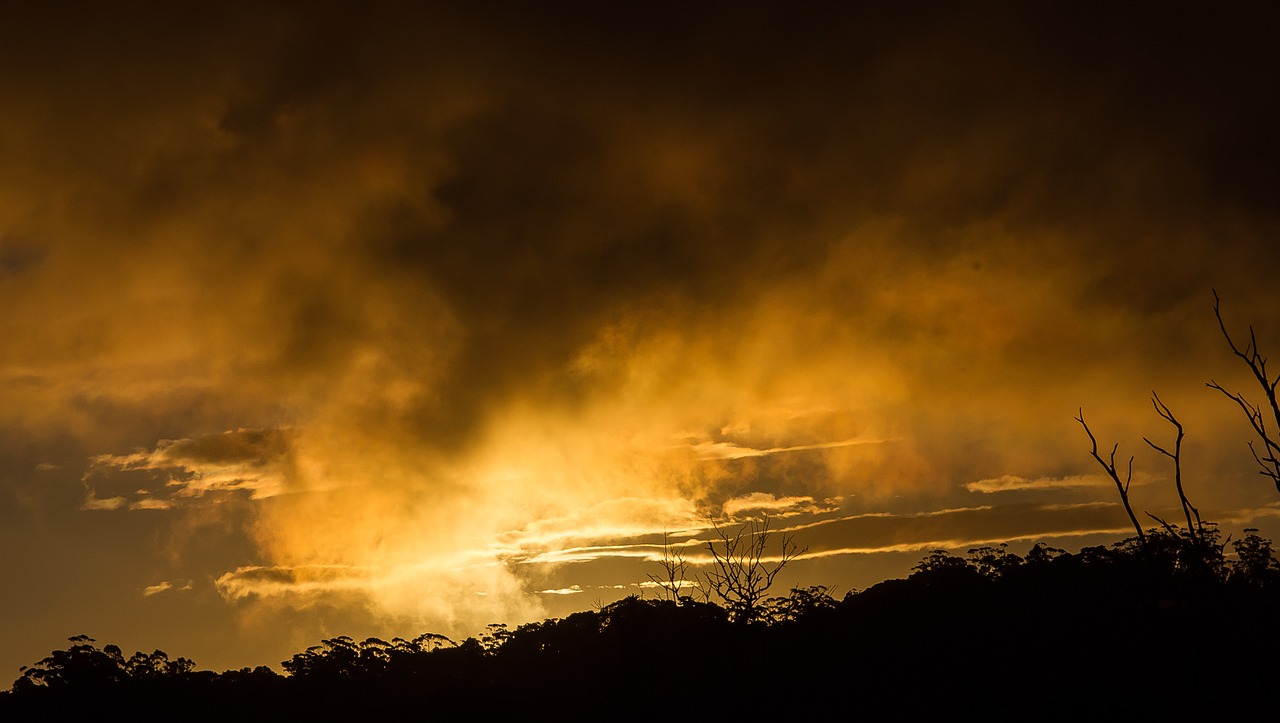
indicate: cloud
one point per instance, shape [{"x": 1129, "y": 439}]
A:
[
  {"x": 729, "y": 450},
  {"x": 828, "y": 535},
  {"x": 1008, "y": 483},
  {"x": 610, "y": 519},
  {"x": 253, "y": 461},
  {"x": 679, "y": 584},
  {"x": 769, "y": 504},
  {"x": 110, "y": 503},
  {"x": 453, "y": 599},
  {"x": 1246, "y": 516},
  {"x": 167, "y": 586},
  {"x": 300, "y": 581},
  {"x": 887, "y": 532},
  {"x": 590, "y": 553},
  {"x": 574, "y": 590},
  {"x": 955, "y": 527}
]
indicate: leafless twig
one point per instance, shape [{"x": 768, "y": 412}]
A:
[
  {"x": 675, "y": 569},
  {"x": 741, "y": 573},
  {"x": 1269, "y": 460},
  {"x": 1194, "y": 529},
  {"x": 1110, "y": 467}
]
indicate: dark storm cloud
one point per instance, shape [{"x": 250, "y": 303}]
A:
[
  {"x": 552, "y": 171},
  {"x": 541, "y": 205}
]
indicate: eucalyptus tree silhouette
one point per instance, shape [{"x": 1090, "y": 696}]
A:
[
  {"x": 1256, "y": 563},
  {"x": 82, "y": 665}
]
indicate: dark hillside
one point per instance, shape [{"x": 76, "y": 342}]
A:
[{"x": 1169, "y": 627}]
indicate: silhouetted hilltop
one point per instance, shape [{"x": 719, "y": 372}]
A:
[{"x": 1167, "y": 626}]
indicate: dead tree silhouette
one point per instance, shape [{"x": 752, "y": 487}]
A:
[
  {"x": 1110, "y": 467},
  {"x": 1268, "y": 460},
  {"x": 742, "y": 572},
  {"x": 1196, "y": 528}
]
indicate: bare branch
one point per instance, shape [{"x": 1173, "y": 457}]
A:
[
  {"x": 1252, "y": 412},
  {"x": 1257, "y": 363},
  {"x": 675, "y": 569},
  {"x": 1167, "y": 527},
  {"x": 742, "y": 573},
  {"x": 1194, "y": 529},
  {"x": 1110, "y": 467}
]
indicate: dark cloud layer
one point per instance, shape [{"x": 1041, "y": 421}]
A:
[{"x": 400, "y": 285}]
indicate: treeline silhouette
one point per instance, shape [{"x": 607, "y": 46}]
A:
[{"x": 1170, "y": 624}]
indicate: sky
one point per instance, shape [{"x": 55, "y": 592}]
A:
[{"x": 321, "y": 319}]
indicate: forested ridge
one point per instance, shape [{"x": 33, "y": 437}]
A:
[{"x": 1169, "y": 624}]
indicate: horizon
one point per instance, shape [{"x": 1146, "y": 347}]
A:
[{"x": 327, "y": 320}]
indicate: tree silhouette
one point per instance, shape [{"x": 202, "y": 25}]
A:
[
  {"x": 675, "y": 571},
  {"x": 1194, "y": 528},
  {"x": 742, "y": 572},
  {"x": 1256, "y": 563},
  {"x": 799, "y": 604},
  {"x": 1110, "y": 467},
  {"x": 81, "y": 665},
  {"x": 1269, "y": 458},
  {"x": 156, "y": 665}
]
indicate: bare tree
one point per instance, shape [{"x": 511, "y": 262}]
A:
[
  {"x": 1194, "y": 529},
  {"x": 675, "y": 570},
  {"x": 1268, "y": 460},
  {"x": 1110, "y": 467},
  {"x": 742, "y": 571}
]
